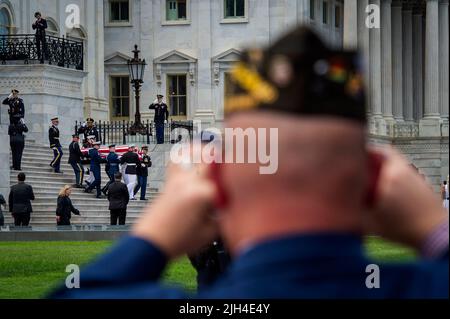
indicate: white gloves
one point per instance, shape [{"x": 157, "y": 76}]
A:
[
  {"x": 10, "y": 96},
  {"x": 165, "y": 122}
]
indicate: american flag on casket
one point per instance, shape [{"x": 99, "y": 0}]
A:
[{"x": 104, "y": 151}]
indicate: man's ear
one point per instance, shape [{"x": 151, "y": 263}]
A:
[
  {"x": 375, "y": 163},
  {"x": 222, "y": 200}
]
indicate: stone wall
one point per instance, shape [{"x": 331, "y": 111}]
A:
[
  {"x": 48, "y": 91},
  {"x": 4, "y": 152}
]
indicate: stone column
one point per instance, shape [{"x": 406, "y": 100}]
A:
[
  {"x": 443, "y": 60},
  {"x": 364, "y": 47},
  {"x": 350, "y": 24},
  {"x": 203, "y": 111},
  {"x": 408, "y": 102},
  {"x": 418, "y": 64},
  {"x": 375, "y": 76},
  {"x": 386, "y": 62},
  {"x": 397, "y": 60},
  {"x": 430, "y": 125}
]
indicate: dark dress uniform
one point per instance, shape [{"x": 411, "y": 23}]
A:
[
  {"x": 142, "y": 175},
  {"x": 17, "y": 143},
  {"x": 40, "y": 26},
  {"x": 16, "y": 109},
  {"x": 161, "y": 115},
  {"x": 111, "y": 168},
  {"x": 95, "y": 167},
  {"x": 88, "y": 131},
  {"x": 75, "y": 161},
  {"x": 55, "y": 145},
  {"x": 64, "y": 210},
  {"x": 118, "y": 198},
  {"x": 132, "y": 161},
  {"x": 19, "y": 202}
]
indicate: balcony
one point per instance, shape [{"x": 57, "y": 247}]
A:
[{"x": 58, "y": 51}]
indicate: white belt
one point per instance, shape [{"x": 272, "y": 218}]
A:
[{"x": 131, "y": 164}]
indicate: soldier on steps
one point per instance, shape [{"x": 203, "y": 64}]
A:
[
  {"x": 89, "y": 131},
  {"x": 96, "y": 160},
  {"x": 16, "y": 107},
  {"x": 17, "y": 142},
  {"x": 75, "y": 156},
  {"x": 111, "y": 167},
  {"x": 55, "y": 145}
]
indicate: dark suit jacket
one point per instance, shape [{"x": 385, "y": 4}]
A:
[
  {"x": 65, "y": 208},
  {"x": 20, "y": 198},
  {"x": 118, "y": 196}
]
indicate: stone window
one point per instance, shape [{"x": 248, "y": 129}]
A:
[
  {"x": 119, "y": 11},
  {"x": 5, "y": 22},
  {"x": 52, "y": 28},
  {"x": 312, "y": 11},
  {"x": 325, "y": 12},
  {"x": 235, "y": 11},
  {"x": 120, "y": 97},
  {"x": 177, "y": 95},
  {"x": 337, "y": 16},
  {"x": 176, "y": 10}
]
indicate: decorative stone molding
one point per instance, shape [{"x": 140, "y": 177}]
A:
[
  {"x": 224, "y": 62},
  {"x": 406, "y": 130},
  {"x": 175, "y": 61}
]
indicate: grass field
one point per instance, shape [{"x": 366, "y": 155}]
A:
[{"x": 31, "y": 269}]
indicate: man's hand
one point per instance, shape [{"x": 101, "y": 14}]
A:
[
  {"x": 181, "y": 220},
  {"x": 407, "y": 210}
]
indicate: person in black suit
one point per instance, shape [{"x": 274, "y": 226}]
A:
[
  {"x": 65, "y": 208},
  {"x": 16, "y": 107},
  {"x": 75, "y": 161},
  {"x": 17, "y": 142},
  {"x": 19, "y": 201},
  {"x": 118, "y": 198},
  {"x": 40, "y": 25}
]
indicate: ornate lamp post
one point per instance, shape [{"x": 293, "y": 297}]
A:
[{"x": 136, "y": 68}]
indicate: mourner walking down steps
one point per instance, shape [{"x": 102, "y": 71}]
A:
[
  {"x": 75, "y": 160},
  {"x": 17, "y": 143}
]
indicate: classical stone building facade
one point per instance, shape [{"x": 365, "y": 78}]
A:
[{"x": 190, "y": 45}]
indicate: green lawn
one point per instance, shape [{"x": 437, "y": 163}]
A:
[{"x": 30, "y": 269}]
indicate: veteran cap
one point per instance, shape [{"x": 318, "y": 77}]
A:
[
  {"x": 54, "y": 119},
  {"x": 299, "y": 74}
]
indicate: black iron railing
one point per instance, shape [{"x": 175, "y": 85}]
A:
[
  {"x": 56, "y": 51},
  {"x": 117, "y": 132}
]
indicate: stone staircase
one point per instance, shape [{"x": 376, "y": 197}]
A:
[{"x": 46, "y": 186}]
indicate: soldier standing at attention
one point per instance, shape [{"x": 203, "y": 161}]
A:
[
  {"x": 96, "y": 160},
  {"x": 112, "y": 166},
  {"x": 161, "y": 117},
  {"x": 40, "y": 25},
  {"x": 75, "y": 156},
  {"x": 131, "y": 159},
  {"x": 55, "y": 145},
  {"x": 16, "y": 107},
  {"x": 17, "y": 142},
  {"x": 142, "y": 173}
]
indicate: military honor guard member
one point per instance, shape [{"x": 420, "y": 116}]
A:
[
  {"x": 16, "y": 107},
  {"x": 89, "y": 132},
  {"x": 55, "y": 145},
  {"x": 142, "y": 173},
  {"x": 96, "y": 160},
  {"x": 17, "y": 142},
  {"x": 161, "y": 117},
  {"x": 131, "y": 159},
  {"x": 111, "y": 167},
  {"x": 40, "y": 25},
  {"x": 75, "y": 161}
]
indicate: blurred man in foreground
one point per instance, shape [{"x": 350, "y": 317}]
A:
[{"x": 290, "y": 237}]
